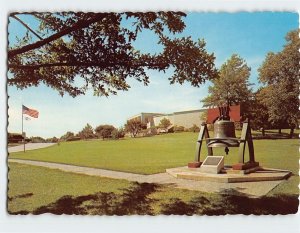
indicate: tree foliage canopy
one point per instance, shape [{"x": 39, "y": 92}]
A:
[
  {"x": 98, "y": 49},
  {"x": 67, "y": 135},
  {"x": 87, "y": 132},
  {"x": 258, "y": 112},
  {"x": 164, "y": 123},
  {"x": 134, "y": 126},
  {"x": 232, "y": 86},
  {"x": 104, "y": 131},
  {"x": 280, "y": 75}
]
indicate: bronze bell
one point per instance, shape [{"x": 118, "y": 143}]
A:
[
  {"x": 224, "y": 134},
  {"x": 224, "y": 131}
]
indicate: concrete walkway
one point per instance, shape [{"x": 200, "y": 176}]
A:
[
  {"x": 29, "y": 146},
  {"x": 252, "y": 189}
]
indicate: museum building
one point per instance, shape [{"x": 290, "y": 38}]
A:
[{"x": 184, "y": 118}]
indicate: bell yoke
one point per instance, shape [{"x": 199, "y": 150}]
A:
[{"x": 224, "y": 136}]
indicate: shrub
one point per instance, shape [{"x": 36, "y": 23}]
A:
[
  {"x": 118, "y": 133},
  {"x": 194, "y": 128},
  {"x": 73, "y": 139},
  {"x": 53, "y": 140},
  {"x": 164, "y": 123},
  {"x": 87, "y": 132},
  {"x": 37, "y": 140},
  {"x": 106, "y": 131},
  {"x": 178, "y": 129},
  {"x": 67, "y": 136}
]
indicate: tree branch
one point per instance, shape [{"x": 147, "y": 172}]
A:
[
  {"x": 57, "y": 64},
  {"x": 102, "y": 64},
  {"x": 25, "y": 25},
  {"x": 78, "y": 25},
  {"x": 35, "y": 14}
]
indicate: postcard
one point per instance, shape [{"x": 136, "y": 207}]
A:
[{"x": 153, "y": 113}]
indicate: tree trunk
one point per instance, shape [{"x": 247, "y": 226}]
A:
[
  {"x": 292, "y": 132},
  {"x": 263, "y": 131},
  {"x": 279, "y": 131}
]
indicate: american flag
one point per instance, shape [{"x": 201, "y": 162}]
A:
[{"x": 30, "y": 112}]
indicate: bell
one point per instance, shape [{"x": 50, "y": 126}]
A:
[
  {"x": 224, "y": 135},
  {"x": 224, "y": 132}
]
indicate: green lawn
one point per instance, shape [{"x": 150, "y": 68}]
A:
[
  {"x": 154, "y": 154},
  {"x": 150, "y": 155},
  {"x": 31, "y": 187},
  {"x": 138, "y": 155},
  {"x": 40, "y": 190}
]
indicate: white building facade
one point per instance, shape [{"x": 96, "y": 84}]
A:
[{"x": 185, "y": 118}]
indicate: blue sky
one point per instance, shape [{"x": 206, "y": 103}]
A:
[{"x": 251, "y": 35}]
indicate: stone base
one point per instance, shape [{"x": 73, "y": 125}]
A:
[
  {"x": 259, "y": 175},
  {"x": 245, "y": 166},
  {"x": 194, "y": 164},
  {"x": 229, "y": 170}
]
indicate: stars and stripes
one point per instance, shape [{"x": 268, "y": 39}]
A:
[{"x": 30, "y": 112}]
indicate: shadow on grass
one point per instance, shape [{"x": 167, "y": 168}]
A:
[
  {"x": 273, "y": 135},
  {"x": 233, "y": 202},
  {"x": 25, "y": 195},
  {"x": 136, "y": 200}
]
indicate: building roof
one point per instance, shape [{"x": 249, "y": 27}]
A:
[
  {"x": 168, "y": 114},
  {"x": 151, "y": 113},
  {"x": 190, "y": 111}
]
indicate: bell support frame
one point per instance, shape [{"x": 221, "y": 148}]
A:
[{"x": 245, "y": 138}]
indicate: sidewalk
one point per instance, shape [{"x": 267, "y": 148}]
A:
[
  {"x": 252, "y": 189},
  {"x": 29, "y": 146}
]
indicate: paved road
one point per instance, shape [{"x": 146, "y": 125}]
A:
[
  {"x": 253, "y": 189},
  {"x": 29, "y": 146}
]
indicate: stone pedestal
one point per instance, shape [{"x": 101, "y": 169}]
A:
[{"x": 229, "y": 177}]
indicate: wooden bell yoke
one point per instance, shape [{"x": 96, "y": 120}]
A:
[{"x": 224, "y": 136}]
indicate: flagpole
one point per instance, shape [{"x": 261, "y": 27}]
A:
[{"x": 23, "y": 131}]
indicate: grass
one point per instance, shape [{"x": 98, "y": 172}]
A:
[
  {"x": 31, "y": 187},
  {"x": 138, "y": 155},
  {"x": 150, "y": 155},
  {"x": 40, "y": 190}
]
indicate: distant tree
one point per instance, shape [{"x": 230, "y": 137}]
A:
[
  {"x": 178, "y": 128},
  {"x": 164, "y": 123},
  {"x": 194, "y": 128},
  {"x": 280, "y": 75},
  {"x": 134, "y": 127},
  {"x": 69, "y": 135},
  {"x": 121, "y": 132},
  {"x": 203, "y": 116},
  {"x": 53, "y": 140},
  {"x": 232, "y": 86},
  {"x": 99, "y": 48},
  {"x": 104, "y": 131},
  {"x": 37, "y": 139},
  {"x": 48, "y": 139},
  {"x": 118, "y": 133},
  {"x": 258, "y": 112},
  {"x": 87, "y": 132},
  {"x": 14, "y": 137}
]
